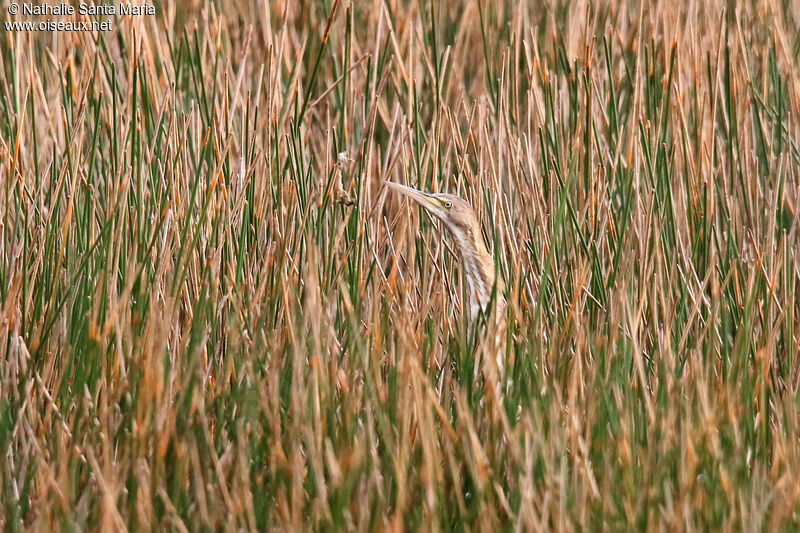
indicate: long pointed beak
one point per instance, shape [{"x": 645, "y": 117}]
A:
[{"x": 424, "y": 199}]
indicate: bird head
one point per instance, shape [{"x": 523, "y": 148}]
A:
[{"x": 456, "y": 214}]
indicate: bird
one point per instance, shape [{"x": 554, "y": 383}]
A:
[{"x": 458, "y": 217}]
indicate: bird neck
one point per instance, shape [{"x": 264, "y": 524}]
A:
[{"x": 478, "y": 266}]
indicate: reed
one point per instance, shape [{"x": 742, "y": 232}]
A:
[{"x": 211, "y": 321}]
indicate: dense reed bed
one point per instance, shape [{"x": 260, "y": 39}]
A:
[{"x": 212, "y": 315}]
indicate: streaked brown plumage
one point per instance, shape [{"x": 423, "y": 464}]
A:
[{"x": 462, "y": 224}]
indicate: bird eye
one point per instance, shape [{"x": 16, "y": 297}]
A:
[{"x": 448, "y": 204}]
